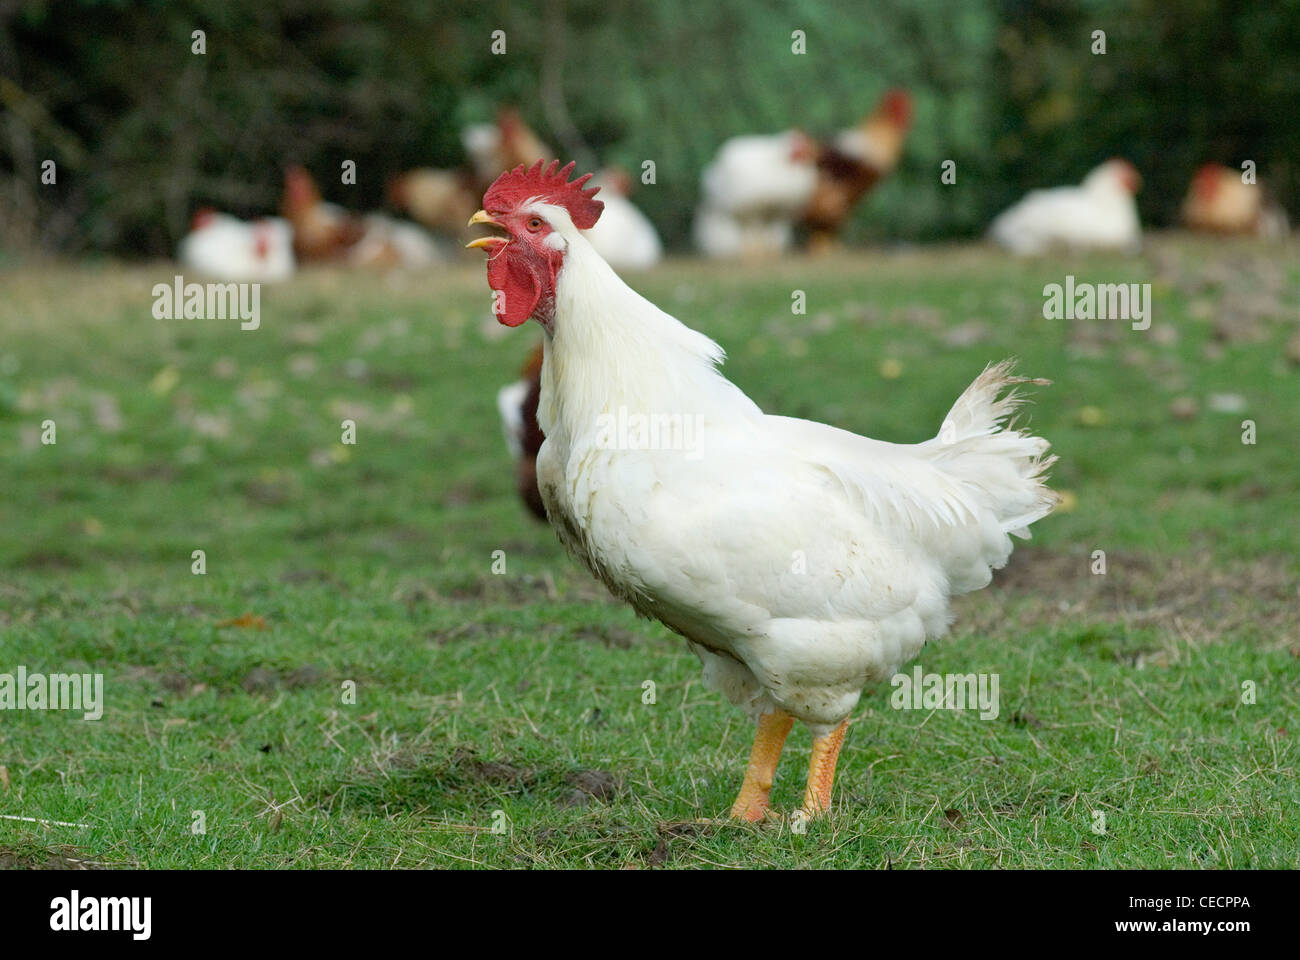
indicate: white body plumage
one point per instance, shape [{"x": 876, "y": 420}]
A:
[{"x": 800, "y": 561}]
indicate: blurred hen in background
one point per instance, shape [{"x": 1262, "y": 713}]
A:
[
  {"x": 753, "y": 192},
  {"x": 1220, "y": 201},
  {"x": 1101, "y": 213},
  {"x": 493, "y": 148},
  {"x": 325, "y": 232},
  {"x": 517, "y": 404},
  {"x": 444, "y": 200},
  {"x": 759, "y": 188},
  {"x": 851, "y": 163},
  {"x": 321, "y": 231},
  {"x": 623, "y": 236},
  {"x": 226, "y": 248}
]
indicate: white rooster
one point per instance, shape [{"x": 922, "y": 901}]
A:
[
  {"x": 1098, "y": 214},
  {"x": 799, "y": 561}
]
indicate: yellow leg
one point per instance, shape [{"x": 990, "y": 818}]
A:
[
  {"x": 751, "y": 803},
  {"x": 821, "y": 771}
]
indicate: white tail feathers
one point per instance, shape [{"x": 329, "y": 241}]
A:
[{"x": 980, "y": 445}]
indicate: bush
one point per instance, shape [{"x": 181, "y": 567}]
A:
[{"x": 143, "y": 131}]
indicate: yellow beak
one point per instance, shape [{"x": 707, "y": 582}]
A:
[{"x": 483, "y": 217}]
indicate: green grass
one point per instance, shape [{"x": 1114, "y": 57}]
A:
[{"x": 1121, "y": 695}]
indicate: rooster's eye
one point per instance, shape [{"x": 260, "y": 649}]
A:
[{"x": 535, "y": 224}]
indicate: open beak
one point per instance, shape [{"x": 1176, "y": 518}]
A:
[{"x": 484, "y": 217}]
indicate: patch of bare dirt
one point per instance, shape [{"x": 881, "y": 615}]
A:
[
  {"x": 496, "y": 772},
  {"x": 670, "y": 836},
  {"x": 60, "y": 858},
  {"x": 47, "y": 560},
  {"x": 1189, "y": 593},
  {"x": 263, "y": 680},
  {"x": 590, "y": 785}
]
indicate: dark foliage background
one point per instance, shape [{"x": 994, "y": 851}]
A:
[{"x": 143, "y": 131}]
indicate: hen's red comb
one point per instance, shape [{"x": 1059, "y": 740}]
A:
[
  {"x": 550, "y": 185},
  {"x": 898, "y": 104},
  {"x": 1206, "y": 181}
]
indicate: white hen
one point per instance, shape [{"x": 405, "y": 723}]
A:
[
  {"x": 753, "y": 192},
  {"x": 799, "y": 561},
  {"x": 1099, "y": 214},
  {"x": 624, "y": 236},
  {"x": 392, "y": 242},
  {"x": 226, "y": 248}
]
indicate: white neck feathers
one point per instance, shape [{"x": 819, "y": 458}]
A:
[{"x": 613, "y": 348}]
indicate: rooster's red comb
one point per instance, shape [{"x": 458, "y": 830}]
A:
[{"x": 550, "y": 185}]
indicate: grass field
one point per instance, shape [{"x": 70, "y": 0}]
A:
[{"x": 1126, "y": 736}]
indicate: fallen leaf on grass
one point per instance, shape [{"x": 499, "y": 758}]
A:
[
  {"x": 1091, "y": 416},
  {"x": 164, "y": 380},
  {"x": 245, "y": 621}
]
